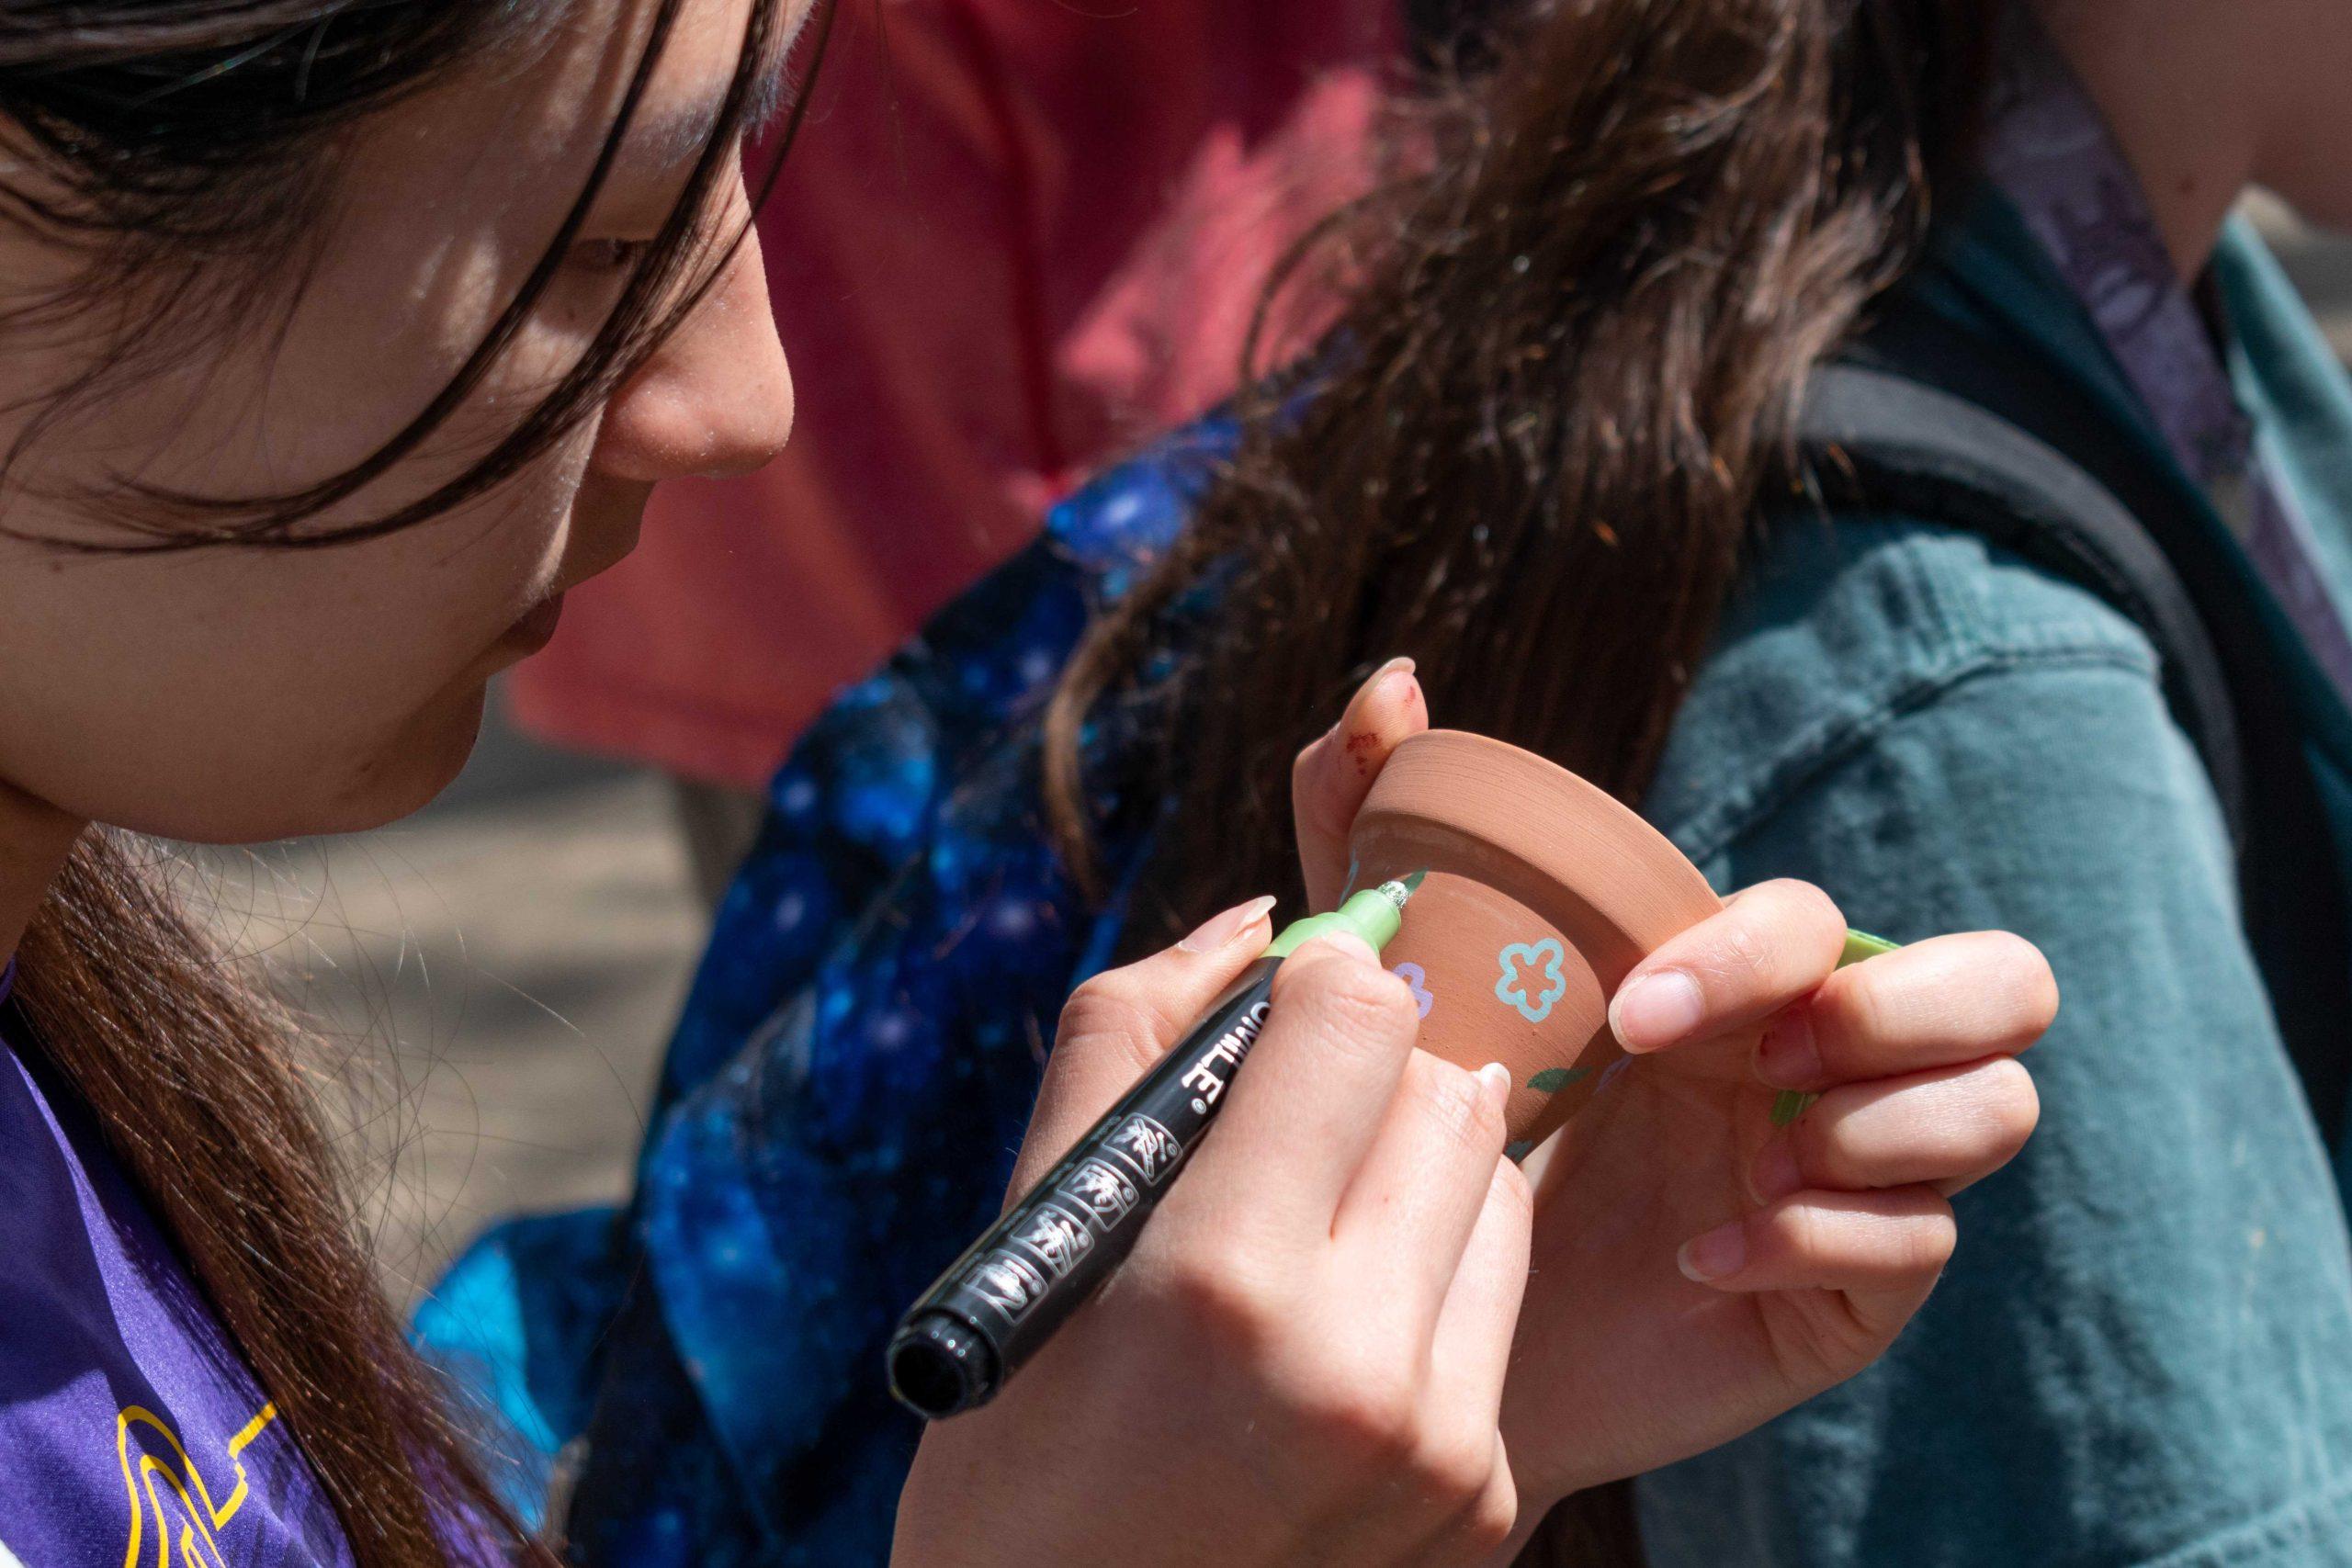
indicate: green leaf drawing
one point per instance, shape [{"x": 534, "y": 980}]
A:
[{"x": 1552, "y": 1080}]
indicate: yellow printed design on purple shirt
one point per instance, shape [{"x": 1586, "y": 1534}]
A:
[{"x": 165, "y": 1484}]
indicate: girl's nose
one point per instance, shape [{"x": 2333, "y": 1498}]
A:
[{"x": 717, "y": 399}]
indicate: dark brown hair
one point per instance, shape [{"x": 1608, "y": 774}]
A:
[
  {"x": 177, "y": 145},
  {"x": 185, "y": 148},
  {"x": 1533, "y": 450}
]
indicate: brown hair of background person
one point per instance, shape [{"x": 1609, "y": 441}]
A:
[
  {"x": 185, "y": 148},
  {"x": 1533, "y": 455}
]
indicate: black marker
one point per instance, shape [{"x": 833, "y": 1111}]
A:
[{"x": 1018, "y": 1283}]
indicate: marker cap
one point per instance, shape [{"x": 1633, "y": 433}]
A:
[{"x": 940, "y": 1366}]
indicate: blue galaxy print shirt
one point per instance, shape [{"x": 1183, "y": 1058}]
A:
[{"x": 841, "y": 1105}]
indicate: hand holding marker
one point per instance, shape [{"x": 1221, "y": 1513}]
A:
[{"x": 1009, "y": 1292}]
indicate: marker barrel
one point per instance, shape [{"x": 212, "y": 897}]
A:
[
  {"x": 1013, "y": 1287},
  {"x": 1020, "y": 1281}
]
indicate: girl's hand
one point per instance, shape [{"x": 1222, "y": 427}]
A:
[
  {"x": 1331, "y": 777},
  {"x": 1697, "y": 1270},
  {"x": 1303, "y": 1359}
]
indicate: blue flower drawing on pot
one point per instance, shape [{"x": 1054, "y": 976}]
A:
[{"x": 1533, "y": 994}]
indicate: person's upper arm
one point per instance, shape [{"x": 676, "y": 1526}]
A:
[{"x": 2140, "y": 1354}]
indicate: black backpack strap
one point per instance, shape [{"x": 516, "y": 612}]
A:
[
  {"x": 1875, "y": 438},
  {"x": 1934, "y": 421}
]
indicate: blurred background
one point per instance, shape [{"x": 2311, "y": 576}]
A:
[
  {"x": 496, "y": 978},
  {"x": 492, "y": 980}
]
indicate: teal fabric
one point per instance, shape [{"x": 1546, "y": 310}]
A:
[{"x": 2143, "y": 1352}]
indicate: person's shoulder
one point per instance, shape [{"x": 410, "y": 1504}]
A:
[
  {"x": 1100, "y": 539},
  {"x": 982, "y": 668},
  {"x": 1132, "y": 510},
  {"x": 1890, "y": 598},
  {"x": 1002, "y": 641},
  {"x": 1841, "y": 629}
]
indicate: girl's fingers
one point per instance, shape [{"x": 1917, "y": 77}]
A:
[
  {"x": 1947, "y": 999},
  {"x": 1943, "y": 1129},
  {"x": 1772, "y": 944},
  {"x": 1297, "y": 1126},
  {"x": 1470, "y": 1360},
  {"x": 1470, "y": 1352},
  {"x": 1882, "y": 1250},
  {"x": 1331, "y": 777},
  {"x": 1408, "y": 1212},
  {"x": 1493, "y": 1517},
  {"x": 1122, "y": 1020}
]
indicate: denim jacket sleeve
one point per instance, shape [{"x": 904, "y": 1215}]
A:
[{"x": 2140, "y": 1354}]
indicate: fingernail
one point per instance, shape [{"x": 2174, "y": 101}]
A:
[
  {"x": 1655, "y": 1010},
  {"x": 1494, "y": 1084},
  {"x": 1718, "y": 1255},
  {"x": 1394, "y": 665},
  {"x": 1788, "y": 1058},
  {"x": 1775, "y": 1175},
  {"x": 1218, "y": 930}
]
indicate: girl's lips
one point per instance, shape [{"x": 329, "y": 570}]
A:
[{"x": 534, "y": 630}]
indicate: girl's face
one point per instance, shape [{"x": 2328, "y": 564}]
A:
[{"x": 238, "y": 694}]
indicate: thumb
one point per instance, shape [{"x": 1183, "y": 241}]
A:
[
  {"x": 1121, "y": 1022},
  {"x": 1331, "y": 777}
]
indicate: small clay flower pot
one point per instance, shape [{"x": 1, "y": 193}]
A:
[{"x": 1542, "y": 893}]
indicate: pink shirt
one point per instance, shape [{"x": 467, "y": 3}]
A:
[{"x": 1014, "y": 238}]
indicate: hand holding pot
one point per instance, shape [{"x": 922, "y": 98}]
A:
[
  {"x": 1303, "y": 1358},
  {"x": 1697, "y": 1270}
]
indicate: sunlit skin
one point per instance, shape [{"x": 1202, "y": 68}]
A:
[
  {"x": 2207, "y": 99},
  {"x": 233, "y": 696}
]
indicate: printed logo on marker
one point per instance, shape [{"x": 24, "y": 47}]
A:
[
  {"x": 1103, "y": 1191},
  {"x": 1060, "y": 1239},
  {"x": 1011, "y": 1285},
  {"x": 1209, "y": 1075},
  {"x": 1152, "y": 1149}
]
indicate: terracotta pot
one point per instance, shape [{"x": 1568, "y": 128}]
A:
[{"x": 1542, "y": 893}]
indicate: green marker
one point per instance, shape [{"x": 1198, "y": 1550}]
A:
[
  {"x": 1374, "y": 915},
  {"x": 1794, "y": 1102}
]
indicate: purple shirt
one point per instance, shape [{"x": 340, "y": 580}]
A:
[{"x": 131, "y": 1430}]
